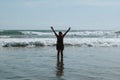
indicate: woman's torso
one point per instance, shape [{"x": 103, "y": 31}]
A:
[{"x": 60, "y": 40}]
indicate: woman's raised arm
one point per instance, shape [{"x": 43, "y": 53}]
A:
[
  {"x": 67, "y": 31},
  {"x": 54, "y": 31}
]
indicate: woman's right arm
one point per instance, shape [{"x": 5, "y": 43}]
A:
[{"x": 54, "y": 31}]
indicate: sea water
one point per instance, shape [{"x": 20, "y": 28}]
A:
[
  {"x": 31, "y": 55},
  {"x": 79, "y": 63}
]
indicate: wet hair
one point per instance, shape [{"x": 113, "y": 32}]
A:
[{"x": 60, "y": 33}]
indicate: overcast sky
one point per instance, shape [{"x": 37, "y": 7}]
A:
[{"x": 78, "y": 14}]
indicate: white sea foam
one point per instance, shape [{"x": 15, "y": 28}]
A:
[
  {"x": 85, "y": 38},
  {"x": 82, "y": 42},
  {"x": 77, "y": 33},
  {"x": 4, "y": 36},
  {"x": 71, "y": 34},
  {"x": 93, "y": 34},
  {"x": 35, "y": 33}
]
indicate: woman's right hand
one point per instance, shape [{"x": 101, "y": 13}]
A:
[{"x": 51, "y": 27}]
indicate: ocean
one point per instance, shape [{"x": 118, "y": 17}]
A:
[{"x": 31, "y": 55}]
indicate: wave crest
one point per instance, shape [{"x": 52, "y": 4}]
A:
[{"x": 81, "y": 42}]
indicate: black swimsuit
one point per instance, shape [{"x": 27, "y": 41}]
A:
[{"x": 60, "y": 45}]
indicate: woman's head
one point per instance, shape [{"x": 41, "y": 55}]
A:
[{"x": 60, "y": 33}]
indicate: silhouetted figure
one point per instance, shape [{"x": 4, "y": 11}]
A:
[{"x": 60, "y": 44}]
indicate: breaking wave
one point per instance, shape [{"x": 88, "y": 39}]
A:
[
  {"x": 81, "y": 38},
  {"x": 81, "y": 42}
]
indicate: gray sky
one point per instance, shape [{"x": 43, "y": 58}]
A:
[{"x": 78, "y": 14}]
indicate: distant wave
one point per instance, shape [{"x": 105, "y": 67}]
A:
[
  {"x": 4, "y": 36},
  {"x": 35, "y": 33},
  {"x": 10, "y": 32},
  {"x": 81, "y": 42},
  {"x": 76, "y": 33},
  {"x": 49, "y": 33}
]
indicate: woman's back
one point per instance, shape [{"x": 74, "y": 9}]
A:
[{"x": 59, "y": 39}]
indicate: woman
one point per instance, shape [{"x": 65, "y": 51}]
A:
[{"x": 60, "y": 44}]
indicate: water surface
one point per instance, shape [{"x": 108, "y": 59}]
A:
[{"x": 40, "y": 63}]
